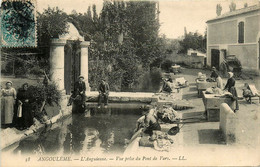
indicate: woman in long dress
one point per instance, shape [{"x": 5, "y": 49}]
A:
[
  {"x": 25, "y": 118},
  {"x": 230, "y": 86},
  {"x": 8, "y": 96}
]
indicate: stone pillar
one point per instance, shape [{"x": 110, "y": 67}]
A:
[
  {"x": 84, "y": 62},
  {"x": 57, "y": 62}
]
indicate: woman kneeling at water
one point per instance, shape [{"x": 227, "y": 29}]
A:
[{"x": 150, "y": 121}]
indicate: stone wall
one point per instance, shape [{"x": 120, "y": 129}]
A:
[
  {"x": 225, "y": 31},
  {"x": 192, "y": 61},
  {"x": 228, "y": 123},
  {"x": 251, "y": 28},
  {"x": 222, "y": 32},
  {"x": 247, "y": 54}
]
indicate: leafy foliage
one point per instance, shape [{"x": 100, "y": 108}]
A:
[
  {"x": 25, "y": 65},
  {"x": 51, "y": 24},
  {"x": 156, "y": 77},
  {"x": 41, "y": 92},
  {"x": 149, "y": 81},
  {"x": 124, "y": 39},
  {"x": 166, "y": 65},
  {"x": 193, "y": 41}
]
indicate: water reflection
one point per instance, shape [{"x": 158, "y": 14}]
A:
[{"x": 101, "y": 131}]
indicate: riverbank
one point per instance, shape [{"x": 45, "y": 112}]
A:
[{"x": 10, "y": 136}]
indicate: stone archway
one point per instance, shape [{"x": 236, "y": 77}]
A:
[{"x": 57, "y": 57}]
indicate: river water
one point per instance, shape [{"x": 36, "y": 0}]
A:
[{"x": 103, "y": 131}]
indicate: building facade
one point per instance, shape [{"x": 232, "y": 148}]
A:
[{"x": 235, "y": 33}]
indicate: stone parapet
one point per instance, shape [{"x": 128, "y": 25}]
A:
[{"x": 124, "y": 97}]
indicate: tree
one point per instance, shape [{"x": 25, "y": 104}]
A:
[
  {"x": 194, "y": 41},
  {"x": 185, "y": 31},
  {"x": 232, "y": 7},
  {"x": 124, "y": 38},
  {"x": 51, "y": 24},
  {"x": 144, "y": 28},
  {"x": 95, "y": 15},
  {"x": 218, "y": 9},
  {"x": 89, "y": 14},
  {"x": 245, "y": 5},
  {"x": 130, "y": 37},
  {"x": 84, "y": 23}
]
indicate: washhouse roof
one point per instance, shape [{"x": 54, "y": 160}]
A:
[
  {"x": 72, "y": 34},
  {"x": 236, "y": 12}
]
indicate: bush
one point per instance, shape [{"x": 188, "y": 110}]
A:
[
  {"x": 145, "y": 83},
  {"x": 156, "y": 63},
  {"x": 166, "y": 65},
  {"x": 7, "y": 67},
  {"x": 36, "y": 71},
  {"x": 21, "y": 71},
  {"x": 149, "y": 81},
  {"x": 40, "y": 93},
  {"x": 156, "y": 77}
]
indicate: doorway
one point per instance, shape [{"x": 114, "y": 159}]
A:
[{"x": 215, "y": 58}]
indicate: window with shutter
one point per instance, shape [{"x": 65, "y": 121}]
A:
[{"x": 241, "y": 32}]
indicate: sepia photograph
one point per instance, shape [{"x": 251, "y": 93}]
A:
[{"x": 130, "y": 83}]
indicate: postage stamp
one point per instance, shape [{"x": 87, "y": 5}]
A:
[{"x": 18, "y": 26}]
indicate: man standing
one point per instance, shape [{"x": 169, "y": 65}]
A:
[
  {"x": 79, "y": 91},
  {"x": 103, "y": 90}
]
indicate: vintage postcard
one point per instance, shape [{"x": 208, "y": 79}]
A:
[{"x": 130, "y": 83}]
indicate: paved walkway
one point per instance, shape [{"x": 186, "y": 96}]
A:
[{"x": 202, "y": 143}]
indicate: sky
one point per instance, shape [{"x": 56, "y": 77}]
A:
[{"x": 174, "y": 14}]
